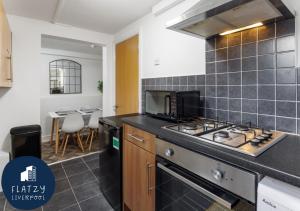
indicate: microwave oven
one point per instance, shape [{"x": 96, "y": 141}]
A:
[{"x": 172, "y": 105}]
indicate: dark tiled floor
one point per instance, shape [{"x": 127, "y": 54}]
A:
[{"x": 77, "y": 187}]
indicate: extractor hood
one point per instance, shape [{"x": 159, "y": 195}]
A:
[{"x": 211, "y": 17}]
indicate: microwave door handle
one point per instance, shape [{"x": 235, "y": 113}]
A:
[
  {"x": 218, "y": 199},
  {"x": 170, "y": 111},
  {"x": 182, "y": 107},
  {"x": 167, "y": 98}
]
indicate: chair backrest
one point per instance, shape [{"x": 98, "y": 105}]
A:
[
  {"x": 94, "y": 120},
  {"x": 72, "y": 123}
]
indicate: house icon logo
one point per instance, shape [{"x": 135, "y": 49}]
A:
[
  {"x": 28, "y": 183},
  {"x": 29, "y": 175}
]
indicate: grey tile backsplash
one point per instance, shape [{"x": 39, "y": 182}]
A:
[{"x": 250, "y": 77}]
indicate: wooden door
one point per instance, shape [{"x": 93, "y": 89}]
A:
[
  {"x": 127, "y": 76},
  {"x": 5, "y": 49},
  {"x": 138, "y": 178}
]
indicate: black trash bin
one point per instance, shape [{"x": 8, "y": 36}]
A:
[{"x": 26, "y": 141}]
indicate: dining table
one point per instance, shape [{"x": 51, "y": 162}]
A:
[{"x": 56, "y": 116}]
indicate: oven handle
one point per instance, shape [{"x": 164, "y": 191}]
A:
[{"x": 221, "y": 201}]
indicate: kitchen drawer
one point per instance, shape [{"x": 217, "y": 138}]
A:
[{"x": 140, "y": 138}]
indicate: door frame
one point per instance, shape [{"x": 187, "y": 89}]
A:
[{"x": 139, "y": 69}]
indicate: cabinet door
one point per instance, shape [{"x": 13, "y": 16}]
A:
[
  {"x": 145, "y": 181},
  {"x": 129, "y": 155},
  {"x": 138, "y": 178}
]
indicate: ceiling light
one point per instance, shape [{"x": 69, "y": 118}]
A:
[
  {"x": 92, "y": 45},
  {"x": 241, "y": 29}
]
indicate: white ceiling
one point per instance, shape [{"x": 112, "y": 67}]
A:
[
  {"x": 107, "y": 16},
  {"x": 70, "y": 45}
]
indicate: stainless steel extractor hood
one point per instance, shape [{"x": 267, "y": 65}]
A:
[{"x": 211, "y": 17}]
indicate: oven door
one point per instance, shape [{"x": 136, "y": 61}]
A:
[{"x": 178, "y": 189}]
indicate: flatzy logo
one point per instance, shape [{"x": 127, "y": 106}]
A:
[
  {"x": 29, "y": 175},
  {"x": 28, "y": 183}
]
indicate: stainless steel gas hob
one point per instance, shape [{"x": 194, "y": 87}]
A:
[{"x": 241, "y": 138}]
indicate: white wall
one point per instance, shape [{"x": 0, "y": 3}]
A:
[
  {"x": 91, "y": 71},
  {"x": 20, "y": 105},
  {"x": 178, "y": 54}
]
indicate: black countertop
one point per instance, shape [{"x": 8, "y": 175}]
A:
[
  {"x": 114, "y": 121},
  {"x": 281, "y": 161}
]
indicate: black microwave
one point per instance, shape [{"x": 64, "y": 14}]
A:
[{"x": 172, "y": 105}]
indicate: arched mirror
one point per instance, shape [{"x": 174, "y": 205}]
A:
[{"x": 65, "y": 77}]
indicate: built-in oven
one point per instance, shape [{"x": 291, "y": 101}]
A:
[{"x": 189, "y": 181}]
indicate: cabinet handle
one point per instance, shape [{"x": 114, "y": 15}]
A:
[
  {"x": 135, "y": 138},
  {"x": 10, "y": 72},
  {"x": 150, "y": 188}
]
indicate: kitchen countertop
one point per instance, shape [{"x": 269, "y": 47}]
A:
[{"x": 281, "y": 161}]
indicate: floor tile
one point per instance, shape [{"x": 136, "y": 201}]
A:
[
  {"x": 82, "y": 178},
  {"x": 60, "y": 201},
  {"x": 96, "y": 172},
  {"x": 72, "y": 208},
  {"x": 93, "y": 164},
  {"x": 72, "y": 162},
  {"x": 91, "y": 157},
  {"x": 96, "y": 203},
  {"x": 9, "y": 207},
  {"x": 2, "y": 201},
  {"x": 58, "y": 172},
  {"x": 61, "y": 185},
  {"x": 75, "y": 169},
  {"x": 87, "y": 191}
]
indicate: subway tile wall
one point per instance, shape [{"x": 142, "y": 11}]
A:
[{"x": 250, "y": 77}]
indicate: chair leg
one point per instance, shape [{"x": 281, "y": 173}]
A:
[
  {"x": 66, "y": 142},
  {"x": 63, "y": 142},
  {"x": 87, "y": 139},
  {"x": 79, "y": 141},
  {"x": 74, "y": 138},
  {"x": 91, "y": 141},
  {"x": 81, "y": 135}
]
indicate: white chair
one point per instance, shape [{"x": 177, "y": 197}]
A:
[
  {"x": 72, "y": 125},
  {"x": 93, "y": 127}
]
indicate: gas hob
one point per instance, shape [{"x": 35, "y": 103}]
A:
[{"x": 241, "y": 138}]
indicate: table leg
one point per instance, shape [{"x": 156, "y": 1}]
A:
[
  {"x": 56, "y": 135},
  {"x": 52, "y": 130}
]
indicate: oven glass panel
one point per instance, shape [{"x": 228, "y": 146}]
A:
[{"x": 173, "y": 194}]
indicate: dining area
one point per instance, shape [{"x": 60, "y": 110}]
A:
[
  {"x": 71, "y": 101},
  {"x": 74, "y": 132}
]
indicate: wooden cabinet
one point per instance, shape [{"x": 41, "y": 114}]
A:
[
  {"x": 140, "y": 138},
  {"x": 5, "y": 50},
  {"x": 138, "y": 174}
]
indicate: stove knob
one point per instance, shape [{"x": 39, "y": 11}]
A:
[
  {"x": 169, "y": 152},
  {"x": 255, "y": 142},
  {"x": 217, "y": 174}
]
